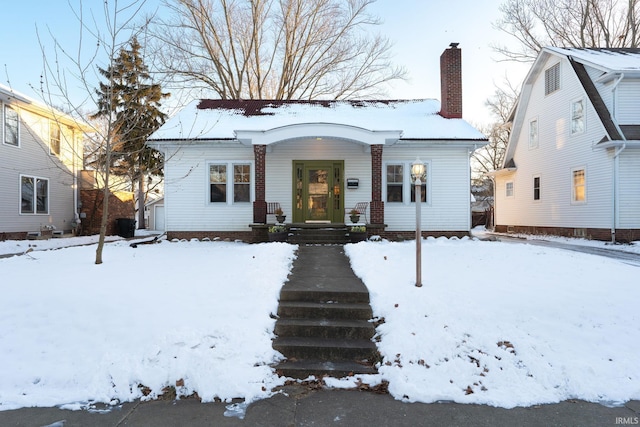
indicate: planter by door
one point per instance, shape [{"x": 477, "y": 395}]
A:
[
  {"x": 357, "y": 236},
  {"x": 354, "y": 218},
  {"x": 279, "y": 236}
]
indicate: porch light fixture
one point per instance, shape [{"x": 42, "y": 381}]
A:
[{"x": 418, "y": 174}]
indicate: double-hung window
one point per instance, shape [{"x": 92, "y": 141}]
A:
[
  {"x": 577, "y": 116},
  {"x": 536, "y": 188},
  {"x": 533, "y": 133},
  {"x": 11, "y": 128},
  {"x": 578, "y": 185},
  {"x": 224, "y": 173},
  {"x": 54, "y": 138},
  {"x": 395, "y": 182},
  {"x": 399, "y": 188},
  {"x": 34, "y": 195},
  {"x": 508, "y": 189},
  {"x": 241, "y": 183}
]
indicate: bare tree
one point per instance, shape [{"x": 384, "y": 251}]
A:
[
  {"x": 491, "y": 156},
  {"x": 274, "y": 49},
  {"x": 568, "y": 23},
  {"x": 68, "y": 72}
]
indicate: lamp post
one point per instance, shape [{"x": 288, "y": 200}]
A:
[{"x": 418, "y": 172}]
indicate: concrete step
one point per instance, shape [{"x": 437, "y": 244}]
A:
[
  {"x": 336, "y": 368},
  {"x": 317, "y": 235},
  {"x": 326, "y": 310},
  {"x": 328, "y": 349},
  {"x": 324, "y": 328},
  {"x": 320, "y": 296}
]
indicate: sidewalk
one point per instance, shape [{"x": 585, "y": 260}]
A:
[{"x": 303, "y": 407}]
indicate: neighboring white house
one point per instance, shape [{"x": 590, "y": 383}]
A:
[
  {"x": 40, "y": 157},
  {"x": 572, "y": 166},
  {"x": 225, "y": 160}
]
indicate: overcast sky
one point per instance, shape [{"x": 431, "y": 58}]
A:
[{"x": 420, "y": 30}]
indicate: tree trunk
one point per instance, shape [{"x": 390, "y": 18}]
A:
[{"x": 141, "y": 222}]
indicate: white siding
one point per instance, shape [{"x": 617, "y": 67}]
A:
[
  {"x": 627, "y": 109},
  {"x": 187, "y": 206},
  {"x": 32, "y": 158},
  {"x": 186, "y": 190},
  {"x": 558, "y": 153},
  {"x": 448, "y": 189},
  {"x": 629, "y": 182}
]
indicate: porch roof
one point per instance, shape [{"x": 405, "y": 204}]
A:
[{"x": 266, "y": 121}]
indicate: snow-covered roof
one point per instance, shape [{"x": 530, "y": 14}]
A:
[
  {"x": 223, "y": 119},
  {"x": 617, "y": 60}
]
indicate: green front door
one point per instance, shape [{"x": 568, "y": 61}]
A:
[{"x": 318, "y": 191}]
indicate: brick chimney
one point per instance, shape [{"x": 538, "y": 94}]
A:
[{"x": 451, "y": 82}]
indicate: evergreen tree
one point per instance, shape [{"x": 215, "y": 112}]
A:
[{"x": 132, "y": 101}]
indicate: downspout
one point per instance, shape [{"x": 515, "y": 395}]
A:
[
  {"x": 616, "y": 161},
  {"x": 469, "y": 154},
  {"x": 76, "y": 216},
  {"x": 616, "y": 166}
]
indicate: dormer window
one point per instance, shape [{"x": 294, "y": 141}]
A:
[{"x": 552, "y": 79}]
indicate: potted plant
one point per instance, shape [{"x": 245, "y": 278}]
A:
[
  {"x": 280, "y": 216},
  {"x": 278, "y": 233},
  {"x": 357, "y": 233},
  {"x": 354, "y": 215}
]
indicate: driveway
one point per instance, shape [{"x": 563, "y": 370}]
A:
[{"x": 630, "y": 258}]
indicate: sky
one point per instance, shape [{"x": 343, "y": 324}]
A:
[
  {"x": 545, "y": 329},
  {"x": 420, "y": 30}
]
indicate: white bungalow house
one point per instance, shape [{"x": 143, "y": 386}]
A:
[
  {"x": 40, "y": 159},
  {"x": 227, "y": 162},
  {"x": 572, "y": 165}
]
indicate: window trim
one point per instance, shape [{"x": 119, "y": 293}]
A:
[
  {"x": 539, "y": 188},
  {"x": 6, "y": 106},
  {"x": 406, "y": 178},
  {"x": 574, "y": 201},
  {"x": 230, "y": 192},
  {"x": 35, "y": 195},
  {"x": 584, "y": 116},
  {"x": 506, "y": 190},
  {"x": 534, "y": 143}
]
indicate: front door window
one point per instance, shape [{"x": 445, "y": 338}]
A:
[{"x": 318, "y": 191}]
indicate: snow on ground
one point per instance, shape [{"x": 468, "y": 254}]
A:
[
  {"x": 494, "y": 323},
  {"x": 633, "y": 247},
  {"x": 502, "y": 324},
  {"x": 73, "y": 332}
]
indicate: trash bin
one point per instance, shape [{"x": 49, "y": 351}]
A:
[{"x": 126, "y": 227}]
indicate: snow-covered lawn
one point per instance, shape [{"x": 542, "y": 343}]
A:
[
  {"x": 494, "y": 323},
  {"x": 191, "y": 313}
]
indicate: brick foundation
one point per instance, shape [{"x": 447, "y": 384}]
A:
[
  {"x": 13, "y": 235},
  {"x": 411, "y": 235},
  {"x": 259, "y": 234},
  {"x": 604, "y": 234},
  {"x": 245, "y": 236}
]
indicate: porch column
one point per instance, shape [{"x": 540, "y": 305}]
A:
[
  {"x": 376, "y": 208},
  {"x": 260, "y": 204}
]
